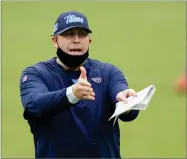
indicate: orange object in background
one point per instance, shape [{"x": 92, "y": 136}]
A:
[{"x": 181, "y": 84}]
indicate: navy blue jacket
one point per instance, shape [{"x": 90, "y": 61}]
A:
[{"x": 64, "y": 130}]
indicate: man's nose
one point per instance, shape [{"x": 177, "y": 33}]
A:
[{"x": 76, "y": 38}]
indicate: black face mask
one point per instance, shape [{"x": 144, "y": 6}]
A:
[{"x": 71, "y": 60}]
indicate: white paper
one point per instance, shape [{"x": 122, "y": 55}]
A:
[{"x": 139, "y": 102}]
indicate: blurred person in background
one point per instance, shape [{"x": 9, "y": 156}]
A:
[{"x": 180, "y": 83}]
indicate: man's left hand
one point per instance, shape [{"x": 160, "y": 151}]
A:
[{"x": 122, "y": 96}]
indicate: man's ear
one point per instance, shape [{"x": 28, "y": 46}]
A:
[
  {"x": 54, "y": 41},
  {"x": 90, "y": 39}
]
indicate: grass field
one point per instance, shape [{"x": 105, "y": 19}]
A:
[{"x": 146, "y": 40}]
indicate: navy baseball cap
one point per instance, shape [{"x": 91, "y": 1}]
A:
[{"x": 69, "y": 20}]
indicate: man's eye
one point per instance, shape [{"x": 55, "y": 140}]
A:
[
  {"x": 83, "y": 33},
  {"x": 69, "y": 33}
]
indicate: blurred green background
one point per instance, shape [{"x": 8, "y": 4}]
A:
[{"x": 146, "y": 40}]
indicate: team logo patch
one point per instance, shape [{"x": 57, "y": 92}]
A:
[
  {"x": 24, "y": 78},
  {"x": 96, "y": 79},
  {"x": 73, "y": 19}
]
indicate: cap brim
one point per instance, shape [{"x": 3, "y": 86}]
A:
[{"x": 62, "y": 31}]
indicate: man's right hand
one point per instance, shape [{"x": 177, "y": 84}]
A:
[{"x": 82, "y": 89}]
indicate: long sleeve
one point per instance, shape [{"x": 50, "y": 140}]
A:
[
  {"x": 117, "y": 84},
  {"x": 37, "y": 100}
]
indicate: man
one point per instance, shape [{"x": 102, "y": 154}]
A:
[{"x": 68, "y": 99}]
